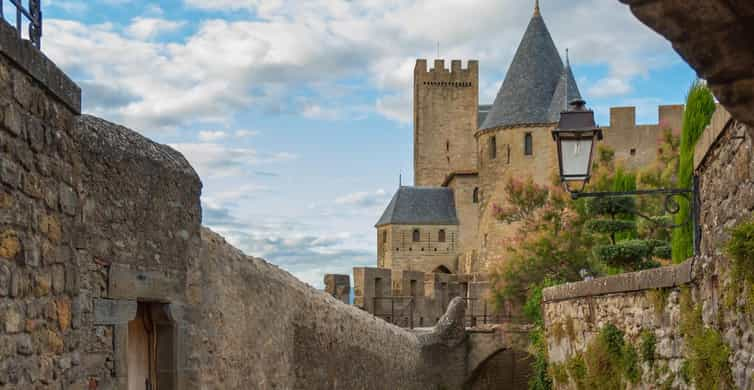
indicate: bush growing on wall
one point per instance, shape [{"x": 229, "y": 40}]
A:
[{"x": 700, "y": 105}]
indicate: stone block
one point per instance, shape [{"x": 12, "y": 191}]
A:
[
  {"x": 69, "y": 200},
  {"x": 22, "y": 90},
  {"x": 49, "y": 225},
  {"x": 58, "y": 279},
  {"x": 5, "y": 279},
  {"x": 13, "y": 120},
  {"x": 13, "y": 320},
  {"x": 19, "y": 283},
  {"x": 10, "y": 173},
  {"x": 10, "y": 245},
  {"x": 32, "y": 185},
  {"x": 24, "y": 345},
  {"x": 35, "y": 132},
  {"x": 125, "y": 283},
  {"x": 113, "y": 312},
  {"x": 32, "y": 253},
  {"x": 63, "y": 308},
  {"x": 42, "y": 284}
]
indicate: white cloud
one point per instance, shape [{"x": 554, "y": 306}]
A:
[
  {"x": 210, "y": 135},
  {"x": 245, "y": 133},
  {"x": 219, "y": 160},
  {"x": 363, "y": 199},
  {"x": 294, "y": 48},
  {"x": 315, "y": 111},
  {"x": 609, "y": 86},
  {"x": 148, "y": 28}
]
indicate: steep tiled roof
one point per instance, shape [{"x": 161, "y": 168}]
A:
[
  {"x": 527, "y": 91},
  {"x": 420, "y": 206},
  {"x": 559, "y": 104},
  {"x": 482, "y": 112}
]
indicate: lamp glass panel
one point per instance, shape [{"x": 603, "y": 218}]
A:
[{"x": 575, "y": 157}]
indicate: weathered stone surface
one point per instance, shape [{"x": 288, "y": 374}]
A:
[
  {"x": 129, "y": 284},
  {"x": 12, "y": 319},
  {"x": 113, "y": 312},
  {"x": 664, "y": 277}
]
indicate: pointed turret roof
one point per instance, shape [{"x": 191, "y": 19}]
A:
[
  {"x": 531, "y": 82},
  {"x": 559, "y": 101}
]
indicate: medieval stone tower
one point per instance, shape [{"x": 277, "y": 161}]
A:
[
  {"x": 465, "y": 154},
  {"x": 445, "y": 117}
]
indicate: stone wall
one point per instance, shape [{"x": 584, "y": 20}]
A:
[
  {"x": 650, "y": 301},
  {"x": 295, "y": 337}
]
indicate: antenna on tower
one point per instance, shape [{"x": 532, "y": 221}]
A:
[
  {"x": 568, "y": 62},
  {"x": 536, "y": 8},
  {"x": 400, "y": 180},
  {"x": 438, "y": 49}
]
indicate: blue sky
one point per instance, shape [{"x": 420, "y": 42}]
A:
[{"x": 296, "y": 114}]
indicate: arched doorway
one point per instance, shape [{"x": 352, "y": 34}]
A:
[
  {"x": 441, "y": 270},
  {"x": 505, "y": 369}
]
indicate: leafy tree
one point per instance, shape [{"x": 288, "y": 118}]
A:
[
  {"x": 700, "y": 105},
  {"x": 549, "y": 242}
]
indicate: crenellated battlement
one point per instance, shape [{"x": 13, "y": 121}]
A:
[
  {"x": 669, "y": 116},
  {"x": 457, "y": 74}
]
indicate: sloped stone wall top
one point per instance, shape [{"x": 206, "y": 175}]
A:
[{"x": 669, "y": 276}]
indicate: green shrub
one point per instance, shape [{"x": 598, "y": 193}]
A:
[
  {"x": 700, "y": 105},
  {"x": 577, "y": 371},
  {"x": 662, "y": 252},
  {"x": 540, "y": 378},
  {"x": 707, "y": 353},
  {"x": 614, "y": 205},
  {"x": 740, "y": 248},
  {"x": 623, "y": 253},
  {"x": 608, "y": 226},
  {"x": 604, "y": 360},
  {"x": 648, "y": 345},
  {"x": 631, "y": 367}
]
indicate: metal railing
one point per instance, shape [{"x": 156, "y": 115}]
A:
[
  {"x": 33, "y": 14},
  {"x": 401, "y": 311},
  {"x": 487, "y": 315},
  {"x": 393, "y": 316}
]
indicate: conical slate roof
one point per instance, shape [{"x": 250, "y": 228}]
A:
[
  {"x": 420, "y": 206},
  {"x": 559, "y": 104},
  {"x": 529, "y": 85}
]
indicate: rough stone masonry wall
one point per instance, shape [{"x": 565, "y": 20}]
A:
[{"x": 649, "y": 300}]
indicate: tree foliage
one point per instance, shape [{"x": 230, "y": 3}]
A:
[
  {"x": 700, "y": 105},
  {"x": 549, "y": 243}
]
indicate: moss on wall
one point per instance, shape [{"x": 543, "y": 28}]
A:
[{"x": 707, "y": 353}]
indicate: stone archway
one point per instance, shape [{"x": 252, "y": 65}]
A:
[{"x": 504, "y": 369}]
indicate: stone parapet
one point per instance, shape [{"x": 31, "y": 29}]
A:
[
  {"x": 718, "y": 123},
  {"x": 39, "y": 67},
  {"x": 663, "y": 277}
]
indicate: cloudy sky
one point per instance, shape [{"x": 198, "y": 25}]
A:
[{"x": 297, "y": 113}]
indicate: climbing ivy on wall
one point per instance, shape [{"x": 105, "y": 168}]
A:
[
  {"x": 700, "y": 105},
  {"x": 609, "y": 362}
]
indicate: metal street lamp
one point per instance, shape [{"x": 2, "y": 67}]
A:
[{"x": 576, "y": 136}]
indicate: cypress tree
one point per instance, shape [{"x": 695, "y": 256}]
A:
[{"x": 700, "y": 105}]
